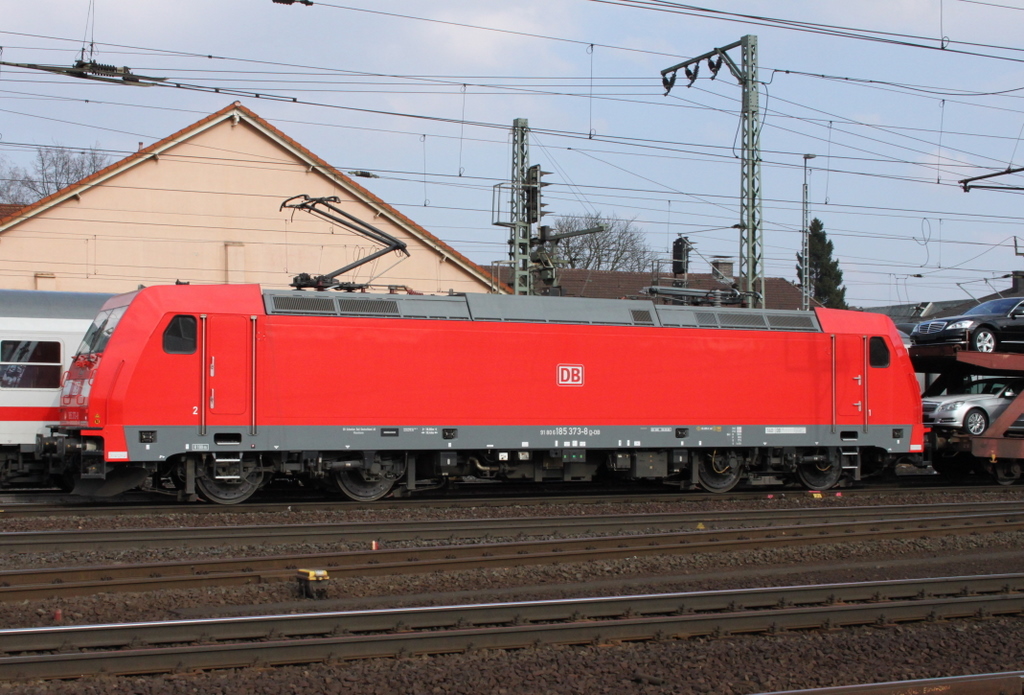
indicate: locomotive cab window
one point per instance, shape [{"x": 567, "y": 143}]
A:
[
  {"x": 99, "y": 332},
  {"x": 180, "y": 335},
  {"x": 30, "y": 364},
  {"x": 878, "y": 352}
]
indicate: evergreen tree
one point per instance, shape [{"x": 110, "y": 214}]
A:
[{"x": 826, "y": 279}]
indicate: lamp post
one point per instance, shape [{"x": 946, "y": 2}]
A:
[{"x": 805, "y": 249}]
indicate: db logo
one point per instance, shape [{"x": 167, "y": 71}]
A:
[{"x": 570, "y": 375}]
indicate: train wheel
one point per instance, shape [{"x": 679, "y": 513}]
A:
[
  {"x": 1006, "y": 472},
  {"x": 821, "y": 475},
  {"x": 370, "y": 484},
  {"x": 720, "y": 472},
  {"x": 233, "y": 484},
  {"x": 362, "y": 486}
]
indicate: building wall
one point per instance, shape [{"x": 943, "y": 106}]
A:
[{"x": 206, "y": 211}]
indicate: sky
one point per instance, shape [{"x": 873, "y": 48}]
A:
[{"x": 898, "y": 101}]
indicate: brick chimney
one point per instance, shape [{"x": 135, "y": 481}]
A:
[
  {"x": 723, "y": 266},
  {"x": 1018, "y": 282}
]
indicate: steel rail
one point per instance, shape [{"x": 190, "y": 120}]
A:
[
  {"x": 1007, "y": 683},
  {"x": 266, "y": 640},
  {"x": 46, "y": 583},
  {"x": 108, "y": 636},
  {"x": 391, "y": 531},
  {"x": 63, "y": 505},
  {"x": 146, "y": 505}
]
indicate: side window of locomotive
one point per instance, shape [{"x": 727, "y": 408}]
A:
[
  {"x": 30, "y": 364},
  {"x": 878, "y": 352},
  {"x": 180, "y": 336}
]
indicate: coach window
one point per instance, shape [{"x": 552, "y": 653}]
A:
[
  {"x": 180, "y": 336},
  {"x": 30, "y": 364},
  {"x": 878, "y": 352}
]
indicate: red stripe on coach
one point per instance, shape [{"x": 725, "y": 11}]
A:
[{"x": 30, "y": 414}]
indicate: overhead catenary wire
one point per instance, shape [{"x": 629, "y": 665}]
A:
[
  {"x": 904, "y": 40},
  {"x": 662, "y": 148},
  {"x": 277, "y": 96},
  {"x": 611, "y": 139}
]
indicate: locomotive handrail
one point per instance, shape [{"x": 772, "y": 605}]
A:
[
  {"x": 202, "y": 377},
  {"x": 865, "y": 392},
  {"x": 252, "y": 376}
]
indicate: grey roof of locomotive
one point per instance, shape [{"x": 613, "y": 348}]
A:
[{"x": 524, "y": 309}]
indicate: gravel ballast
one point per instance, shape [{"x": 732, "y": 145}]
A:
[{"x": 748, "y": 664}]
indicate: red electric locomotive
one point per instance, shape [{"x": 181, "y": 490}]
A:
[{"x": 222, "y": 388}]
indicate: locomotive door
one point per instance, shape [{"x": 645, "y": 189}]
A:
[
  {"x": 225, "y": 370},
  {"x": 850, "y": 380}
]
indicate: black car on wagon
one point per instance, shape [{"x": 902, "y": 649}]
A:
[{"x": 994, "y": 325}]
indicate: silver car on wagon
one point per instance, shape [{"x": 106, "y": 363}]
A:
[{"x": 972, "y": 405}]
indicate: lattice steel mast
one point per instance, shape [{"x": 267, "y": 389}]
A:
[
  {"x": 519, "y": 251},
  {"x": 806, "y": 286},
  {"x": 751, "y": 256}
]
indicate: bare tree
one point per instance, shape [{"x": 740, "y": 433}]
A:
[
  {"x": 10, "y": 190},
  {"x": 54, "y": 168},
  {"x": 621, "y": 246}
]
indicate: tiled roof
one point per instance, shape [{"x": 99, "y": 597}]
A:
[
  {"x": 9, "y": 209},
  {"x": 905, "y": 315},
  {"x": 236, "y": 109},
  {"x": 441, "y": 246},
  {"x": 957, "y": 307},
  {"x": 915, "y": 313}
]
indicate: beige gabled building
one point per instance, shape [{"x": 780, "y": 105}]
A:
[{"x": 202, "y": 206}]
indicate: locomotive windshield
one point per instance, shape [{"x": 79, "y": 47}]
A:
[{"x": 99, "y": 332}]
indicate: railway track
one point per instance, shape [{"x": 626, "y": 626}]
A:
[
  {"x": 364, "y": 533},
  {"x": 77, "y": 651},
  {"x": 141, "y": 503},
  {"x": 1007, "y": 683},
  {"x": 15, "y": 505},
  {"x": 61, "y": 582}
]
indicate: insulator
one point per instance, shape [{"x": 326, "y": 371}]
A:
[
  {"x": 692, "y": 74},
  {"x": 668, "y": 81},
  {"x": 714, "y": 66},
  {"x": 104, "y": 69}
]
